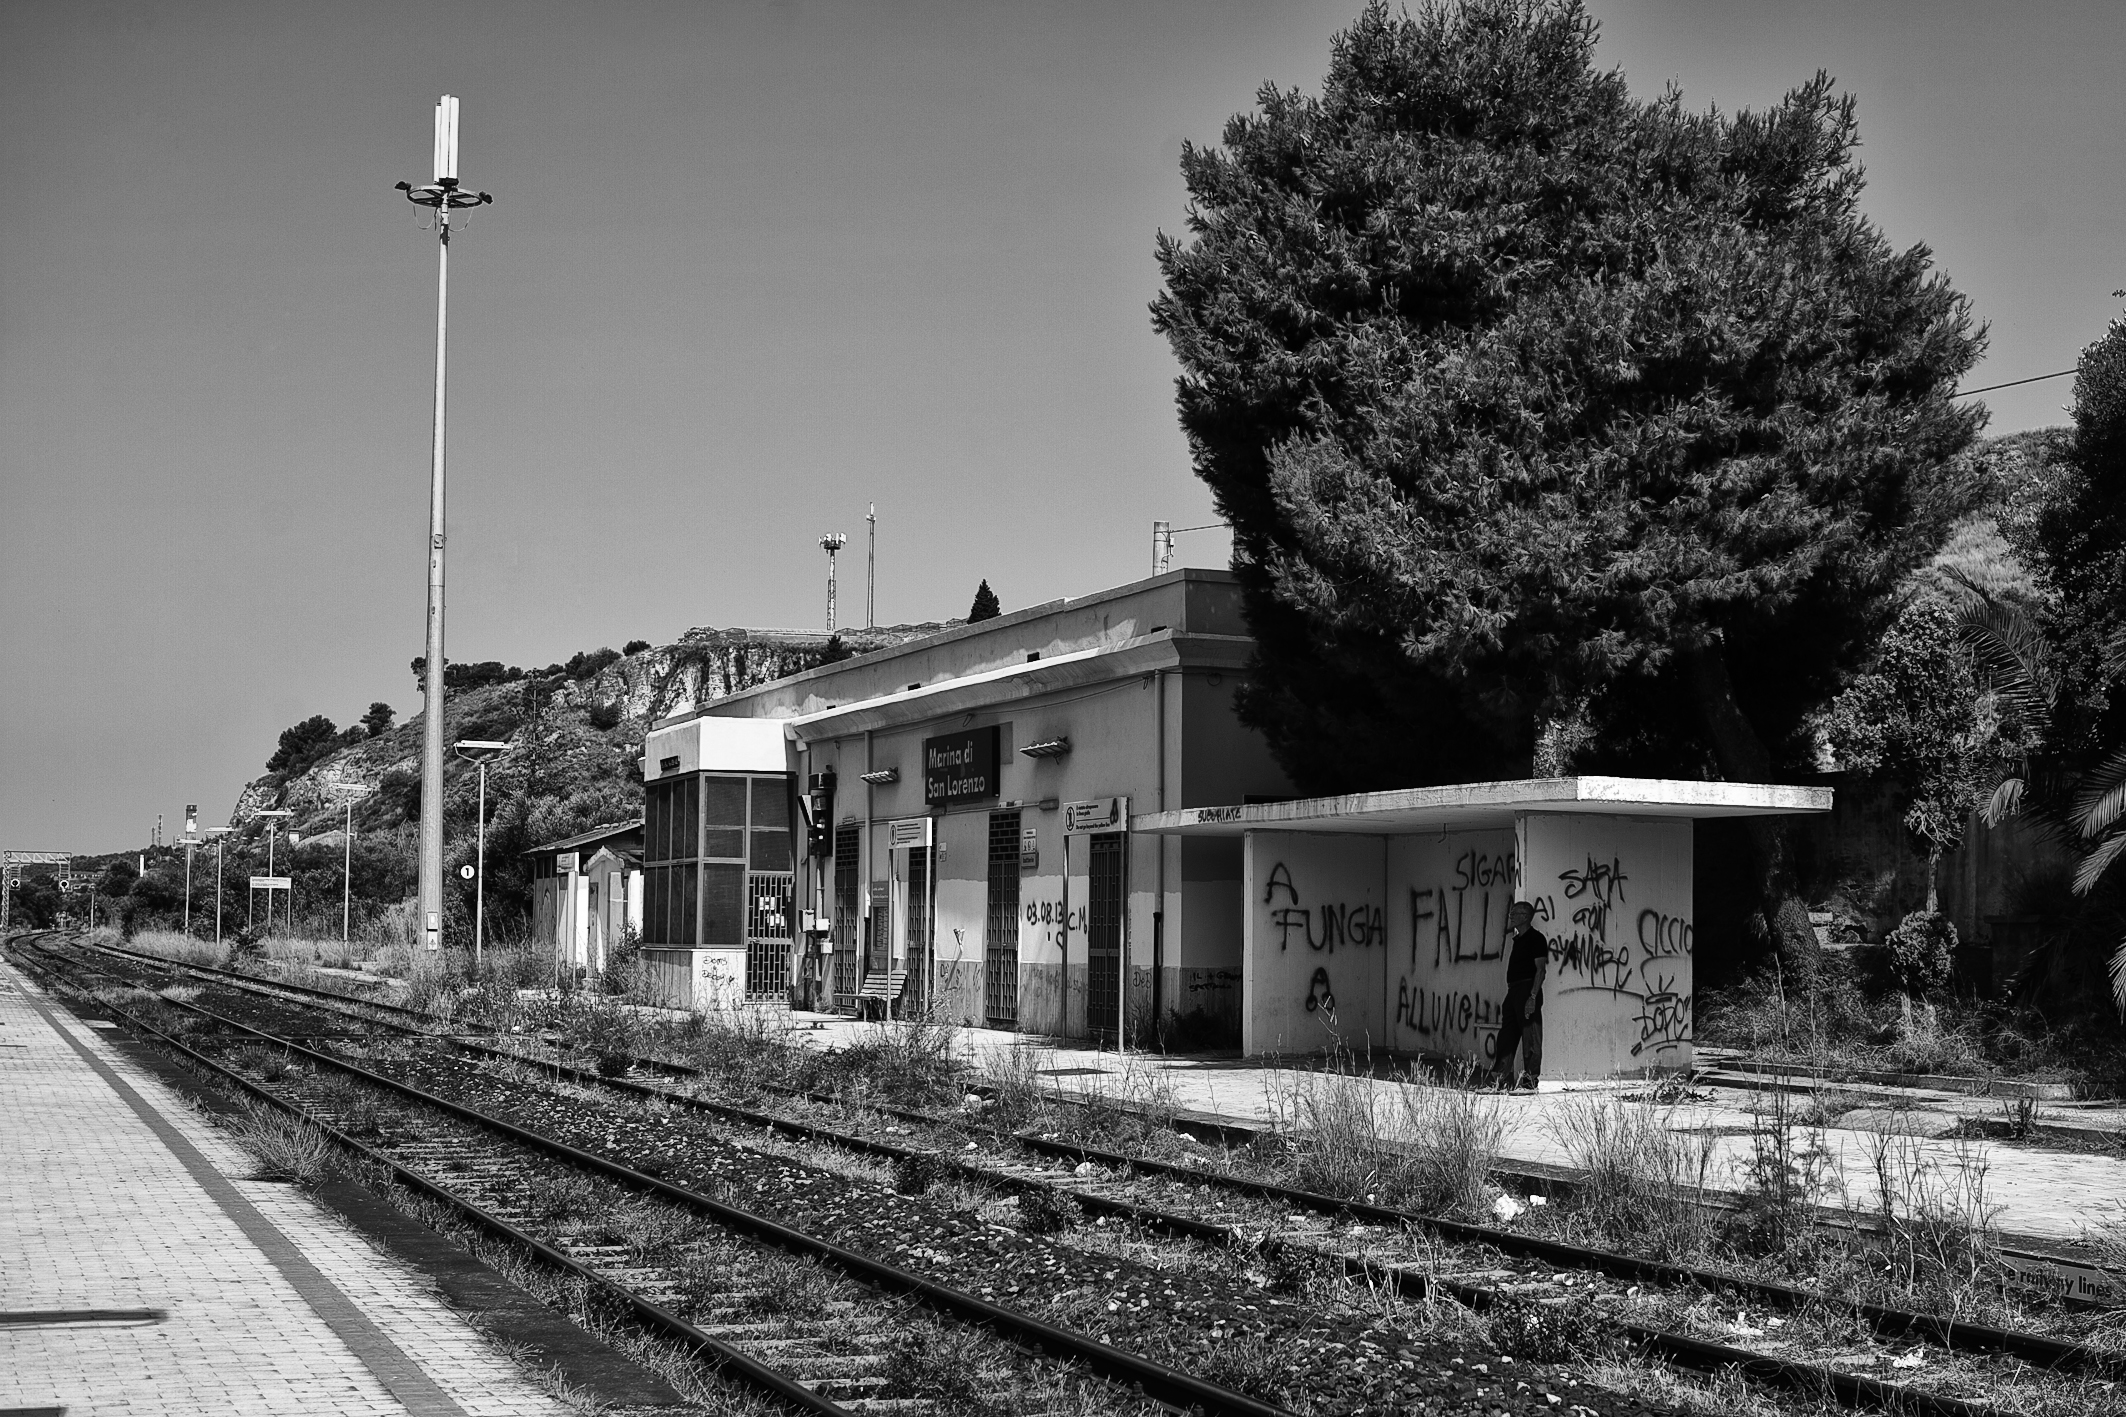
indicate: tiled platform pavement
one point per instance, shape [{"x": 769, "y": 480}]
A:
[{"x": 114, "y": 1195}]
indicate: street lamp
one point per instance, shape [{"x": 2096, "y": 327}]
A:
[
  {"x": 273, "y": 822},
  {"x": 350, "y": 793},
  {"x": 479, "y": 750},
  {"x": 445, "y": 196},
  {"x": 217, "y": 833}
]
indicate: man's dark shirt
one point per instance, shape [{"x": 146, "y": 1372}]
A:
[{"x": 1529, "y": 948}]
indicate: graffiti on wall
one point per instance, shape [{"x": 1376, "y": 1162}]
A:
[
  {"x": 1444, "y": 1015},
  {"x": 1050, "y": 918},
  {"x": 1598, "y": 944},
  {"x": 1458, "y": 918},
  {"x": 1323, "y": 927}
]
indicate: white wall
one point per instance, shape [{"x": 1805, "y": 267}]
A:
[
  {"x": 1447, "y": 903},
  {"x": 1316, "y": 940},
  {"x": 1614, "y": 896}
]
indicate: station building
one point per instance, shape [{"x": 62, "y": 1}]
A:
[
  {"x": 1054, "y": 821},
  {"x": 975, "y": 789}
]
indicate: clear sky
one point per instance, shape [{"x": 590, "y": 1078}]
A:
[{"x": 750, "y": 267}]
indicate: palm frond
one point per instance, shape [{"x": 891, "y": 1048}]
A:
[
  {"x": 2118, "y": 978},
  {"x": 2092, "y": 867},
  {"x": 2008, "y": 647},
  {"x": 2006, "y": 801},
  {"x": 2100, "y": 797}
]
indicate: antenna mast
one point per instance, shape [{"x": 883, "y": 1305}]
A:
[{"x": 832, "y": 542}]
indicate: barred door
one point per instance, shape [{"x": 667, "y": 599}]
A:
[
  {"x": 917, "y": 962},
  {"x": 1103, "y": 936},
  {"x": 1000, "y": 991},
  {"x": 845, "y": 911},
  {"x": 768, "y": 898}
]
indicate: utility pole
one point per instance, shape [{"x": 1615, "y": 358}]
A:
[
  {"x": 871, "y": 571},
  {"x": 832, "y": 542},
  {"x": 443, "y": 195}
]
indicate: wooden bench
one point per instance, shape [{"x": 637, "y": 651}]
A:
[{"x": 884, "y": 990}]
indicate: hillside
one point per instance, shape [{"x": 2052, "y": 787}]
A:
[{"x": 575, "y": 736}]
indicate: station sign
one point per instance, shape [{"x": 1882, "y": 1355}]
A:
[
  {"x": 961, "y": 767},
  {"x": 1101, "y": 814},
  {"x": 272, "y": 883}
]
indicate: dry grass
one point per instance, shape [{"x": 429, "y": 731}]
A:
[
  {"x": 1411, "y": 1143},
  {"x": 286, "y": 1149},
  {"x": 1645, "y": 1179}
]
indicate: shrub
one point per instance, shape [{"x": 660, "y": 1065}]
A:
[
  {"x": 1922, "y": 951},
  {"x": 1550, "y": 1333},
  {"x": 604, "y": 717},
  {"x": 1048, "y": 1211},
  {"x": 915, "y": 1173}
]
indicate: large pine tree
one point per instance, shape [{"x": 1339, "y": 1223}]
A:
[{"x": 1555, "y": 426}]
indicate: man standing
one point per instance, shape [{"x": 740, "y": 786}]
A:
[{"x": 1527, "y": 965}]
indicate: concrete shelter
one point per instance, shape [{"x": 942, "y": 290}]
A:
[{"x": 1378, "y": 921}]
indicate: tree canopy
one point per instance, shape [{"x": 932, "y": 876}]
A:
[
  {"x": 2080, "y": 533},
  {"x": 985, "y": 605},
  {"x": 303, "y": 745},
  {"x": 377, "y": 721},
  {"x": 1552, "y": 422}
]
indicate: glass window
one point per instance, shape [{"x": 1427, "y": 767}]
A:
[
  {"x": 723, "y": 913},
  {"x": 724, "y": 812}
]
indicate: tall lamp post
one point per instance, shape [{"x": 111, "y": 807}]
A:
[
  {"x": 217, "y": 833},
  {"x": 481, "y": 751},
  {"x": 273, "y": 822},
  {"x": 445, "y": 196},
  {"x": 191, "y": 839},
  {"x": 349, "y": 793}
]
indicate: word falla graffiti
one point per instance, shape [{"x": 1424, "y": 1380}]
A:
[{"x": 1458, "y": 928}]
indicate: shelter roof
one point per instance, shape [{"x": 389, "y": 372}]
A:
[
  {"x": 592, "y": 837},
  {"x": 1477, "y": 806}
]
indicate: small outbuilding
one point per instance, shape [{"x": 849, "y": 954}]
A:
[
  {"x": 1378, "y": 921},
  {"x": 587, "y": 894}
]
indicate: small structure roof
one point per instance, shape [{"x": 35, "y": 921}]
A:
[
  {"x": 1477, "y": 806},
  {"x": 594, "y": 835}
]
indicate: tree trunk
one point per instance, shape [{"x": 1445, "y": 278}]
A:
[
  {"x": 1933, "y": 877},
  {"x": 1743, "y": 758}
]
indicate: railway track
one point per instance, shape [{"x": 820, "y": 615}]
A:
[
  {"x": 1356, "y": 1237},
  {"x": 822, "y": 1355}
]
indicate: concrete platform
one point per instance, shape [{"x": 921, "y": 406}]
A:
[
  {"x": 141, "y": 1273},
  {"x": 2057, "y": 1197}
]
